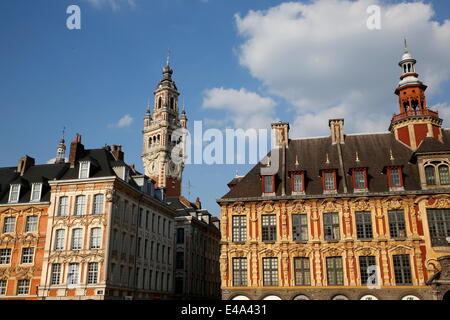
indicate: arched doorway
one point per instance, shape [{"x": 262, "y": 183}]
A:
[
  {"x": 410, "y": 297},
  {"x": 272, "y": 298},
  {"x": 241, "y": 297},
  {"x": 369, "y": 297},
  {"x": 340, "y": 297},
  {"x": 301, "y": 297}
]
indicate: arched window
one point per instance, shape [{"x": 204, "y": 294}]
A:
[
  {"x": 409, "y": 67},
  {"x": 430, "y": 175},
  {"x": 415, "y": 104},
  {"x": 404, "y": 68},
  {"x": 444, "y": 174}
]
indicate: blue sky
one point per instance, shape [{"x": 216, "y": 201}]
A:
[{"x": 87, "y": 80}]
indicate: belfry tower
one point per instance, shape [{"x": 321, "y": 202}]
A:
[
  {"x": 415, "y": 121},
  {"x": 158, "y": 136}
]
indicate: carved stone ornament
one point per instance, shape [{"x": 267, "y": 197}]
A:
[{"x": 111, "y": 195}]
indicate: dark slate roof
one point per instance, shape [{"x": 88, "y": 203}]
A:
[
  {"x": 372, "y": 150},
  {"x": 101, "y": 167}
]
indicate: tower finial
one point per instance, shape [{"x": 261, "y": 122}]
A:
[
  {"x": 168, "y": 57},
  {"x": 61, "y": 149},
  {"x": 406, "y": 45}
]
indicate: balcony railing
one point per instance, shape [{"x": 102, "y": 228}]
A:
[{"x": 412, "y": 113}]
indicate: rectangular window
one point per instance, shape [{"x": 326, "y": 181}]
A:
[
  {"x": 9, "y": 225},
  {"x": 145, "y": 248},
  {"x": 27, "y": 255},
  {"x": 270, "y": 272},
  {"x": 335, "y": 271},
  {"x": 397, "y": 226},
  {"x": 5, "y": 256},
  {"x": 14, "y": 193},
  {"x": 239, "y": 228},
  {"x": 31, "y": 224},
  {"x": 80, "y": 204},
  {"x": 98, "y": 204},
  {"x": 180, "y": 235},
  {"x": 140, "y": 217},
  {"x": 92, "y": 276},
  {"x": 63, "y": 206},
  {"x": 300, "y": 227},
  {"x": 36, "y": 190},
  {"x": 59, "y": 239},
  {"x": 56, "y": 274},
  {"x": 302, "y": 272},
  {"x": 73, "y": 273},
  {"x": 240, "y": 272},
  {"x": 359, "y": 179},
  {"x": 402, "y": 269},
  {"x": 84, "y": 169},
  {"x": 439, "y": 226},
  {"x": 364, "y": 264},
  {"x": 23, "y": 287},
  {"x": 331, "y": 226},
  {"x": 297, "y": 182},
  {"x": 147, "y": 220},
  {"x": 268, "y": 184},
  {"x": 330, "y": 180},
  {"x": 395, "y": 177},
  {"x": 269, "y": 228},
  {"x": 96, "y": 238},
  {"x": 77, "y": 239},
  {"x": 3, "y": 287},
  {"x": 364, "y": 225},
  {"x": 180, "y": 260}
]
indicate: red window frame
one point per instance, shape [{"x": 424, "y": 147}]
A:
[
  {"x": 323, "y": 179},
  {"x": 354, "y": 178},
  {"x": 302, "y": 174},
  {"x": 262, "y": 184},
  {"x": 400, "y": 176}
]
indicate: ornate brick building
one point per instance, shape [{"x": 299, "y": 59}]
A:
[{"x": 361, "y": 216}]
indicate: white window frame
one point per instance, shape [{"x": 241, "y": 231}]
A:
[
  {"x": 61, "y": 205},
  {"x": 16, "y": 199},
  {"x": 3, "y": 287},
  {"x": 55, "y": 276},
  {"x": 6, "y": 257},
  {"x": 5, "y": 225},
  {"x": 26, "y": 254},
  {"x": 95, "y": 241},
  {"x": 97, "y": 207},
  {"x": 73, "y": 273},
  {"x": 35, "y": 186},
  {"x": 79, "y": 240},
  {"x": 21, "y": 287},
  {"x": 92, "y": 273},
  {"x": 28, "y": 224},
  {"x": 59, "y": 241},
  {"x": 81, "y": 174},
  {"x": 80, "y": 205}
]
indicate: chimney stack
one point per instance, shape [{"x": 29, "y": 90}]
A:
[
  {"x": 117, "y": 152},
  {"x": 25, "y": 163},
  {"x": 337, "y": 131},
  {"x": 198, "y": 203},
  {"x": 76, "y": 150},
  {"x": 280, "y": 132}
]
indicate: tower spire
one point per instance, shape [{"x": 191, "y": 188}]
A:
[{"x": 61, "y": 149}]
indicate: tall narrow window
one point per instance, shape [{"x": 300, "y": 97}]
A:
[
  {"x": 77, "y": 239},
  {"x": 364, "y": 225},
  {"x": 297, "y": 182},
  {"x": 359, "y": 179},
  {"x": 402, "y": 269},
  {"x": 14, "y": 193},
  {"x": 36, "y": 190},
  {"x": 180, "y": 260},
  {"x": 3, "y": 287},
  {"x": 364, "y": 264},
  {"x": 9, "y": 225},
  {"x": 23, "y": 287},
  {"x": 444, "y": 175},
  {"x": 73, "y": 273},
  {"x": 239, "y": 228},
  {"x": 270, "y": 272},
  {"x": 59, "y": 239},
  {"x": 397, "y": 227},
  {"x": 240, "y": 272},
  {"x": 180, "y": 235},
  {"x": 302, "y": 272},
  {"x": 84, "y": 170},
  {"x": 269, "y": 228},
  {"x": 430, "y": 175},
  {"x": 300, "y": 227},
  {"x": 96, "y": 239},
  {"x": 268, "y": 184},
  {"x": 27, "y": 255},
  {"x": 5, "y": 256},
  {"x": 80, "y": 205},
  {"x": 335, "y": 271},
  {"x": 395, "y": 177},
  {"x": 63, "y": 206},
  {"x": 56, "y": 274},
  {"x": 329, "y": 180},
  {"x": 98, "y": 204},
  {"x": 31, "y": 224},
  {"x": 92, "y": 277},
  {"x": 331, "y": 226},
  {"x": 439, "y": 226}
]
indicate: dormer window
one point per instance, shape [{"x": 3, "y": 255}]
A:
[
  {"x": 329, "y": 180},
  {"x": 360, "y": 179},
  {"x": 268, "y": 185},
  {"x": 84, "y": 169},
  {"x": 36, "y": 191},
  {"x": 14, "y": 193},
  {"x": 395, "y": 177},
  {"x": 436, "y": 173},
  {"x": 297, "y": 182},
  {"x": 430, "y": 175}
]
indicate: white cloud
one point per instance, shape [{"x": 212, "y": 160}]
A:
[
  {"x": 245, "y": 109},
  {"x": 323, "y": 60},
  {"x": 123, "y": 122},
  {"x": 115, "y": 5}
]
